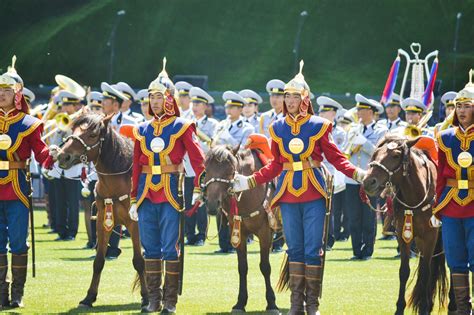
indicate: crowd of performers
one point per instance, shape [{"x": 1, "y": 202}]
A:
[{"x": 173, "y": 128}]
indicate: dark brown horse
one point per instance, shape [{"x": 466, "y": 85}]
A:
[
  {"x": 408, "y": 175},
  {"x": 221, "y": 166},
  {"x": 94, "y": 140}
]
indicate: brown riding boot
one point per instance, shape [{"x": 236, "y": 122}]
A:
[
  {"x": 171, "y": 287},
  {"x": 297, "y": 284},
  {"x": 153, "y": 276},
  {"x": 4, "y": 283},
  {"x": 313, "y": 289},
  {"x": 461, "y": 292},
  {"x": 19, "y": 264}
]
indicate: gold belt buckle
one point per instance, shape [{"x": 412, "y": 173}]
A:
[
  {"x": 463, "y": 184},
  {"x": 298, "y": 166},
  {"x": 156, "y": 169},
  {"x": 4, "y": 165}
]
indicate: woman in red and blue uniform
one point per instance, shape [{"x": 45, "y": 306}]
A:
[
  {"x": 298, "y": 142},
  {"x": 160, "y": 147},
  {"x": 20, "y": 134},
  {"x": 455, "y": 195}
]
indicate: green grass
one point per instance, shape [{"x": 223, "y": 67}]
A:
[{"x": 210, "y": 283}]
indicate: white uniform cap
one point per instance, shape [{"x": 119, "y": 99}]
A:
[
  {"x": 199, "y": 95},
  {"x": 183, "y": 87},
  {"x": 142, "y": 95},
  {"x": 251, "y": 96},
  {"x": 363, "y": 102},
  {"x": 275, "y": 86},
  {"x": 67, "y": 97},
  {"x": 29, "y": 95},
  {"x": 326, "y": 103},
  {"x": 126, "y": 90},
  {"x": 413, "y": 104},
  {"x": 108, "y": 91},
  {"x": 232, "y": 98},
  {"x": 448, "y": 98},
  {"x": 95, "y": 98}
]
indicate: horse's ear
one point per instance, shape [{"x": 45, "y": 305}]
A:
[
  {"x": 107, "y": 119},
  {"x": 412, "y": 143},
  {"x": 235, "y": 149}
]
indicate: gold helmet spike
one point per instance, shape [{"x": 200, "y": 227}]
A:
[
  {"x": 466, "y": 94},
  {"x": 70, "y": 85},
  {"x": 163, "y": 73}
]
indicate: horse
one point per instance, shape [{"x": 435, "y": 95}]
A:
[
  {"x": 221, "y": 164},
  {"x": 408, "y": 176},
  {"x": 94, "y": 140}
]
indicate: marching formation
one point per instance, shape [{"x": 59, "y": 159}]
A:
[{"x": 312, "y": 165}]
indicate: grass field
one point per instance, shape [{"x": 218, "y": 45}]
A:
[{"x": 210, "y": 283}]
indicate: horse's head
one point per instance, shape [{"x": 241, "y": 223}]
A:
[
  {"x": 221, "y": 165},
  {"x": 84, "y": 144},
  {"x": 389, "y": 164}
]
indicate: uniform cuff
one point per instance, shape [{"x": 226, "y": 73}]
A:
[{"x": 252, "y": 182}]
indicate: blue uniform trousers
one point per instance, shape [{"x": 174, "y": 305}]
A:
[
  {"x": 158, "y": 224},
  {"x": 458, "y": 242},
  {"x": 14, "y": 223},
  {"x": 303, "y": 225}
]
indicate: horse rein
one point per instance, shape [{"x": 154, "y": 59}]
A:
[{"x": 404, "y": 165}]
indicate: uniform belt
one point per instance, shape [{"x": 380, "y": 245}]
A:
[
  {"x": 299, "y": 166},
  {"x": 162, "y": 169},
  {"x": 460, "y": 183},
  {"x": 12, "y": 165}
]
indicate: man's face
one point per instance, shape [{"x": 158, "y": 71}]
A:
[
  {"x": 126, "y": 105},
  {"x": 465, "y": 114},
  {"x": 68, "y": 108},
  {"x": 366, "y": 115},
  {"x": 234, "y": 111},
  {"x": 109, "y": 106},
  {"x": 96, "y": 109},
  {"x": 293, "y": 101},
  {"x": 184, "y": 101},
  {"x": 328, "y": 114},
  {"x": 156, "y": 103},
  {"x": 249, "y": 109},
  {"x": 199, "y": 109},
  {"x": 276, "y": 100},
  {"x": 393, "y": 111},
  {"x": 413, "y": 117},
  {"x": 7, "y": 95},
  {"x": 448, "y": 110}
]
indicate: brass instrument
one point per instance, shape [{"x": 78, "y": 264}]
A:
[
  {"x": 414, "y": 131},
  {"x": 38, "y": 109},
  {"x": 60, "y": 122},
  {"x": 354, "y": 131}
]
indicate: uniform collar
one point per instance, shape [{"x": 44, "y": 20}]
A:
[
  {"x": 396, "y": 121},
  {"x": 253, "y": 117},
  {"x": 186, "y": 112},
  {"x": 237, "y": 122},
  {"x": 128, "y": 112},
  {"x": 12, "y": 112},
  {"x": 371, "y": 125},
  {"x": 201, "y": 120}
]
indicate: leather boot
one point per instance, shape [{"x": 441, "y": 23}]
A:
[
  {"x": 153, "y": 276},
  {"x": 297, "y": 286},
  {"x": 19, "y": 264},
  {"x": 461, "y": 292},
  {"x": 4, "y": 283},
  {"x": 313, "y": 289},
  {"x": 171, "y": 287}
]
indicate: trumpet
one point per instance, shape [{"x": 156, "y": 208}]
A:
[
  {"x": 61, "y": 122},
  {"x": 414, "y": 131},
  {"x": 355, "y": 130}
]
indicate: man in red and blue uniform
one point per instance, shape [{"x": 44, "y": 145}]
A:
[
  {"x": 160, "y": 147},
  {"x": 455, "y": 195},
  {"x": 299, "y": 141},
  {"x": 20, "y": 135}
]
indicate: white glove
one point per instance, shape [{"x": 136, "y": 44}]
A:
[
  {"x": 133, "y": 212},
  {"x": 359, "y": 140},
  {"x": 360, "y": 175},
  {"x": 196, "y": 198},
  {"x": 434, "y": 222},
  {"x": 241, "y": 183},
  {"x": 54, "y": 151}
]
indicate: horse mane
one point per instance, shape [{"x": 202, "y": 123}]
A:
[
  {"x": 399, "y": 140},
  {"x": 117, "y": 151},
  {"x": 220, "y": 154}
]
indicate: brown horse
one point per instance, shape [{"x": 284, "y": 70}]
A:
[
  {"x": 94, "y": 140},
  {"x": 409, "y": 176},
  {"x": 221, "y": 165}
]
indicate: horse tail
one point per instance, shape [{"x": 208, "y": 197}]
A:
[
  {"x": 136, "y": 285},
  {"x": 284, "y": 280},
  {"x": 439, "y": 275}
]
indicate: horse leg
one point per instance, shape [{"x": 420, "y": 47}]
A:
[
  {"x": 243, "y": 270},
  {"x": 403, "y": 274},
  {"x": 265, "y": 238},
  {"x": 102, "y": 241},
  {"x": 138, "y": 261},
  {"x": 421, "y": 296}
]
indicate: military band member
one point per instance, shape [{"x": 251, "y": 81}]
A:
[
  {"x": 142, "y": 96},
  {"x": 275, "y": 89},
  {"x": 392, "y": 111},
  {"x": 160, "y": 147},
  {"x": 298, "y": 144},
  {"x": 455, "y": 196},
  {"x": 29, "y": 96},
  {"x": 250, "y": 109},
  {"x": 414, "y": 112},
  {"x": 126, "y": 107},
  {"x": 95, "y": 102},
  {"x": 339, "y": 223},
  {"x": 184, "y": 100},
  {"x": 112, "y": 100},
  {"x": 205, "y": 130},
  {"x": 20, "y": 135},
  {"x": 360, "y": 145},
  {"x": 448, "y": 101}
]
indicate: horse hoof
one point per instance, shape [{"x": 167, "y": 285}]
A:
[
  {"x": 83, "y": 304},
  {"x": 274, "y": 311},
  {"x": 238, "y": 311}
]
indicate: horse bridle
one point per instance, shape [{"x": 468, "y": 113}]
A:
[
  {"x": 83, "y": 157},
  {"x": 403, "y": 165}
]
